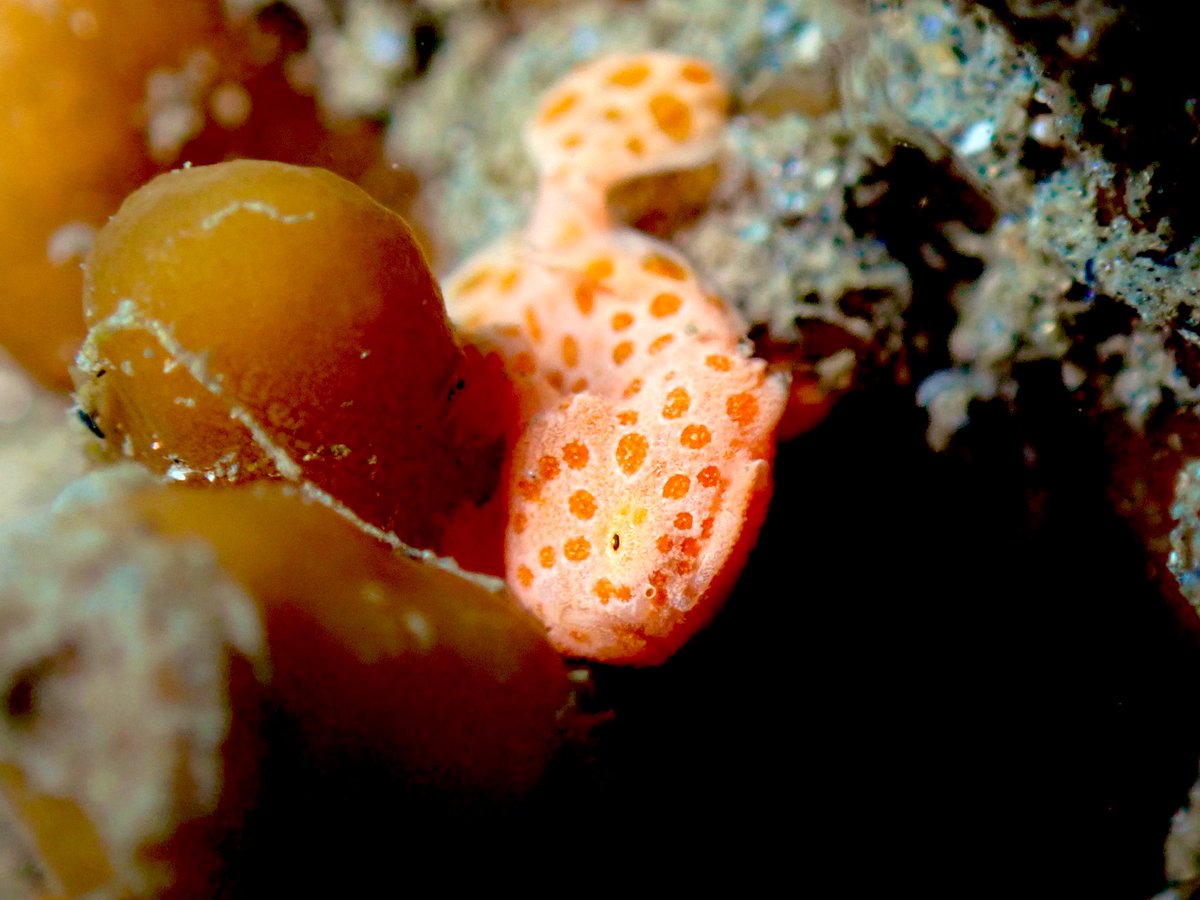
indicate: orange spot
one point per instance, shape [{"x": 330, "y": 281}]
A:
[
  {"x": 690, "y": 546},
  {"x": 660, "y": 343},
  {"x": 742, "y": 408},
  {"x": 570, "y": 351},
  {"x": 580, "y": 385},
  {"x": 709, "y": 476},
  {"x": 510, "y": 331},
  {"x": 571, "y": 141},
  {"x": 676, "y": 487},
  {"x": 529, "y": 490},
  {"x": 570, "y": 232},
  {"x": 474, "y": 280},
  {"x": 582, "y": 505},
  {"x": 636, "y": 146},
  {"x": 664, "y": 544},
  {"x": 599, "y": 268},
  {"x": 524, "y": 576},
  {"x": 523, "y": 364},
  {"x": 718, "y": 362},
  {"x": 533, "y": 325},
  {"x": 577, "y": 549},
  {"x": 672, "y": 116},
  {"x": 631, "y": 452},
  {"x": 632, "y": 389},
  {"x": 683, "y": 566},
  {"x": 548, "y": 468},
  {"x": 624, "y": 593},
  {"x": 510, "y": 279},
  {"x": 696, "y": 73},
  {"x": 658, "y": 581},
  {"x": 555, "y": 379},
  {"x": 575, "y": 455},
  {"x": 678, "y": 403},
  {"x": 546, "y": 557},
  {"x": 585, "y": 297},
  {"x": 621, "y": 321},
  {"x": 657, "y": 264},
  {"x": 695, "y": 437},
  {"x": 622, "y": 352},
  {"x": 605, "y": 590},
  {"x": 559, "y": 106},
  {"x": 627, "y": 417},
  {"x": 613, "y": 114},
  {"x": 520, "y": 522},
  {"x": 706, "y": 528},
  {"x": 683, "y": 521},
  {"x": 630, "y": 75},
  {"x": 665, "y": 305}
]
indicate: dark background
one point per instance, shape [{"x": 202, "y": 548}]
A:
[
  {"x": 950, "y": 673},
  {"x": 960, "y": 674}
]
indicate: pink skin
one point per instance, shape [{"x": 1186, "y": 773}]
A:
[{"x": 640, "y": 472}]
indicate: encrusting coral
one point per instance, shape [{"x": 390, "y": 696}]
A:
[{"x": 642, "y": 469}]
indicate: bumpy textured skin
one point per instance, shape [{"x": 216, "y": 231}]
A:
[
  {"x": 641, "y": 468},
  {"x": 623, "y": 116}
]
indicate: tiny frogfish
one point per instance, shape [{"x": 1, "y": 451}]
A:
[{"x": 641, "y": 468}]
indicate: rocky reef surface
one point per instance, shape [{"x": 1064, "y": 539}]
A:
[{"x": 975, "y": 595}]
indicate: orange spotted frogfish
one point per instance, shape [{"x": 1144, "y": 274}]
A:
[{"x": 640, "y": 470}]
